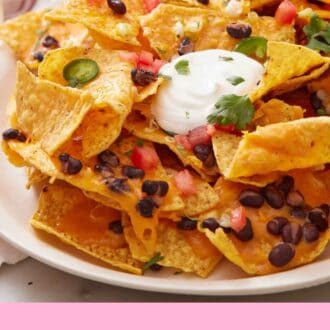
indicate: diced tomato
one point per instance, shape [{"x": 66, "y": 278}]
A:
[
  {"x": 199, "y": 135},
  {"x": 182, "y": 139},
  {"x": 129, "y": 57},
  {"x": 157, "y": 65},
  {"x": 211, "y": 130},
  {"x": 149, "y": 5},
  {"x": 230, "y": 128},
  {"x": 146, "y": 58},
  {"x": 286, "y": 12},
  {"x": 145, "y": 158},
  {"x": 146, "y": 67},
  {"x": 238, "y": 218},
  {"x": 185, "y": 183}
]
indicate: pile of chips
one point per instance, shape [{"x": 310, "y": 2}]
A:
[{"x": 110, "y": 178}]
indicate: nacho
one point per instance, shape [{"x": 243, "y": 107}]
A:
[
  {"x": 108, "y": 29},
  {"x": 46, "y": 112},
  {"x": 34, "y": 177},
  {"x": 295, "y": 144},
  {"x": 321, "y": 8},
  {"x": 188, "y": 251},
  {"x": 253, "y": 255},
  {"x": 65, "y": 212}
]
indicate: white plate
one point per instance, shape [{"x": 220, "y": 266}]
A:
[{"x": 17, "y": 205}]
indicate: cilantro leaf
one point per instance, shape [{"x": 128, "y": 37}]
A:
[
  {"x": 182, "y": 67},
  {"x": 235, "y": 80},
  {"x": 318, "y": 34},
  {"x": 252, "y": 45},
  {"x": 140, "y": 143},
  {"x": 232, "y": 109},
  {"x": 226, "y": 58},
  {"x": 156, "y": 258}
]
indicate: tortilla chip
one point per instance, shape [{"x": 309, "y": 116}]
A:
[
  {"x": 112, "y": 90},
  {"x": 21, "y": 33},
  {"x": 102, "y": 200},
  {"x": 173, "y": 244},
  {"x": 34, "y": 177},
  {"x": 252, "y": 255},
  {"x": 288, "y": 67},
  {"x": 296, "y": 144},
  {"x": 149, "y": 130},
  {"x": 317, "y": 7},
  {"x": 166, "y": 25},
  {"x": 320, "y": 84},
  {"x": 65, "y": 212},
  {"x": 276, "y": 111},
  {"x": 108, "y": 29},
  {"x": 46, "y": 112}
]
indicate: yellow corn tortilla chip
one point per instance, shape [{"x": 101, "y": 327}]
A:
[
  {"x": 64, "y": 211},
  {"x": 320, "y": 84},
  {"x": 112, "y": 90},
  {"x": 276, "y": 111},
  {"x": 34, "y": 177},
  {"x": 107, "y": 28},
  {"x": 252, "y": 255},
  {"x": 46, "y": 112},
  {"x": 149, "y": 130},
  {"x": 21, "y": 33},
  {"x": 285, "y": 146},
  {"x": 288, "y": 67},
  {"x": 174, "y": 246},
  {"x": 166, "y": 25},
  {"x": 319, "y": 9},
  {"x": 88, "y": 180}
]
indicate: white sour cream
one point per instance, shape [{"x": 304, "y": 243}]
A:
[{"x": 185, "y": 101}]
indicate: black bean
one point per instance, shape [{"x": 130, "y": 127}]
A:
[
  {"x": 143, "y": 77},
  {"x": 118, "y": 185},
  {"x": 319, "y": 218},
  {"x": 39, "y": 56},
  {"x": 311, "y": 233},
  {"x": 117, "y": 6},
  {"x": 227, "y": 230},
  {"x": 295, "y": 199},
  {"x": 239, "y": 30},
  {"x": 116, "y": 227},
  {"x": 108, "y": 157},
  {"x": 245, "y": 234},
  {"x": 276, "y": 225},
  {"x": 281, "y": 254},
  {"x": 133, "y": 172},
  {"x": 156, "y": 267},
  {"x": 186, "y": 224},
  {"x": 186, "y": 46},
  {"x": 146, "y": 207},
  {"x": 211, "y": 224},
  {"x": 151, "y": 188},
  {"x": 204, "y": 2},
  {"x": 210, "y": 160},
  {"x": 285, "y": 184},
  {"x": 104, "y": 170},
  {"x": 325, "y": 208},
  {"x": 298, "y": 212},
  {"x": 251, "y": 198},
  {"x": 69, "y": 164},
  {"x": 273, "y": 197},
  {"x": 315, "y": 101},
  {"x": 50, "y": 42},
  {"x": 202, "y": 151},
  {"x": 292, "y": 233},
  {"x": 13, "y": 134}
]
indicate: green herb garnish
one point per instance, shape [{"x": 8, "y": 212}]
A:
[
  {"x": 140, "y": 143},
  {"x": 154, "y": 260},
  {"x": 128, "y": 153},
  {"x": 252, "y": 46},
  {"x": 80, "y": 71},
  {"x": 321, "y": 112},
  {"x": 182, "y": 67},
  {"x": 226, "y": 58},
  {"x": 318, "y": 34},
  {"x": 235, "y": 80},
  {"x": 187, "y": 114},
  {"x": 164, "y": 76},
  {"x": 232, "y": 109}
]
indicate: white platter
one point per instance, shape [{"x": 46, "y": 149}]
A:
[{"x": 17, "y": 205}]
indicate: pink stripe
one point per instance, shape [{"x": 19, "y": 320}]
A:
[{"x": 164, "y": 316}]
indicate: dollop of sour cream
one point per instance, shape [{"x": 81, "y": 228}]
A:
[{"x": 185, "y": 101}]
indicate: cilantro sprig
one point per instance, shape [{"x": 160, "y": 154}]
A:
[
  {"x": 154, "y": 260},
  {"x": 182, "y": 67},
  {"x": 235, "y": 80},
  {"x": 253, "y": 46},
  {"x": 232, "y": 109},
  {"x": 318, "y": 34}
]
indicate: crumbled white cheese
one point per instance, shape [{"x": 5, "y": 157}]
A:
[
  {"x": 178, "y": 29},
  {"x": 124, "y": 29},
  {"x": 234, "y": 8},
  {"x": 193, "y": 26}
]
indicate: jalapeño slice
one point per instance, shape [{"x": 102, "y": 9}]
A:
[{"x": 80, "y": 71}]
